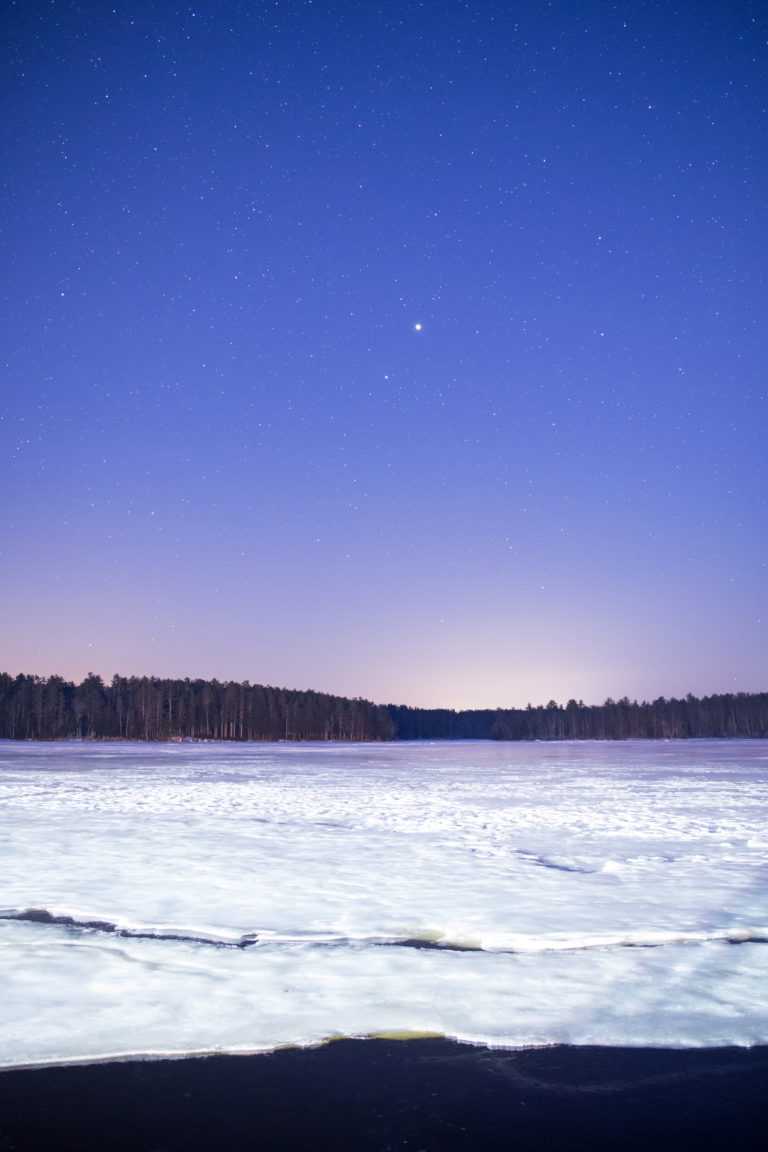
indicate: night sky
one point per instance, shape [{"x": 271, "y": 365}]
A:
[{"x": 413, "y": 351}]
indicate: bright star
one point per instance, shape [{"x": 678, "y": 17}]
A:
[{"x": 417, "y": 327}]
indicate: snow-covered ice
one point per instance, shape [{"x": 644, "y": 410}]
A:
[{"x": 228, "y": 897}]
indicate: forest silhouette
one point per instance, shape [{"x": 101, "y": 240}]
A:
[{"x": 150, "y": 708}]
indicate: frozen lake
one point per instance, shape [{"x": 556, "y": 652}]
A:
[{"x": 235, "y": 898}]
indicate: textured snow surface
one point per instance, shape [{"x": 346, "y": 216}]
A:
[{"x": 182, "y": 898}]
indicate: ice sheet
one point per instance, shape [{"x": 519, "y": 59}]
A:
[{"x": 581, "y": 893}]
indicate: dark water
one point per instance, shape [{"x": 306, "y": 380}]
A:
[{"x": 381, "y": 1096}]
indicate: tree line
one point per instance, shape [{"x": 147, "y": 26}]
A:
[
  {"x": 721, "y": 716},
  {"x": 150, "y": 708}
]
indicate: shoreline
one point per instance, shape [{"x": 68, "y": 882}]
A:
[
  {"x": 374, "y": 1095},
  {"x": 234, "y": 742}
]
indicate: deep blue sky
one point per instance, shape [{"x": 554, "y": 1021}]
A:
[{"x": 414, "y": 351}]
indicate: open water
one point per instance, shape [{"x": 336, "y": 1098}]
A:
[{"x": 168, "y": 899}]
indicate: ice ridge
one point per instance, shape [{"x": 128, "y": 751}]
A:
[
  {"x": 43, "y": 916},
  {"x": 428, "y": 941}
]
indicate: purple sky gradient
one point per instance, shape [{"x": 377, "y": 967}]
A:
[{"x": 227, "y": 449}]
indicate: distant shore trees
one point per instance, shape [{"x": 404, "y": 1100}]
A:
[{"x": 150, "y": 708}]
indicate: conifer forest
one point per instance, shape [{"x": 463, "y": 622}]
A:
[{"x": 151, "y": 708}]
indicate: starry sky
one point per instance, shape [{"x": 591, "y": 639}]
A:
[{"x": 406, "y": 350}]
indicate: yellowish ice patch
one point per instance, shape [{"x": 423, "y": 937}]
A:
[{"x": 407, "y": 1036}]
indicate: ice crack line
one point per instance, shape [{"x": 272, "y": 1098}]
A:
[
  {"x": 445, "y": 944},
  {"x": 43, "y": 916}
]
